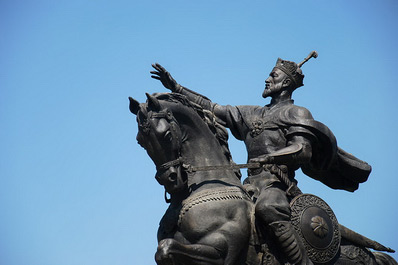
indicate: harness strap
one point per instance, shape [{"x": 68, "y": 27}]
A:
[
  {"x": 282, "y": 174},
  {"x": 170, "y": 164},
  {"x": 166, "y": 114},
  {"x": 191, "y": 168}
]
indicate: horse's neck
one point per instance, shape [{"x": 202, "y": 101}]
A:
[{"x": 201, "y": 149}]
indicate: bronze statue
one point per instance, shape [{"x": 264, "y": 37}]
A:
[{"x": 212, "y": 218}]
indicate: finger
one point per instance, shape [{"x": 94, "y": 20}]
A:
[
  {"x": 283, "y": 168},
  {"x": 155, "y": 72},
  {"x": 160, "y": 68},
  {"x": 155, "y": 77},
  {"x": 157, "y": 67},
  {"x": 268, "y": 167}
]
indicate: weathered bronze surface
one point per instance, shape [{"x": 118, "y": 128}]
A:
[{"x": 213, "y": 218}]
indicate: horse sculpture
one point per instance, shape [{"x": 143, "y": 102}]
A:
[{"x": 211, "y": 219}]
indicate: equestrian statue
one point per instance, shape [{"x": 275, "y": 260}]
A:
[{"x": 213, "y": 217}]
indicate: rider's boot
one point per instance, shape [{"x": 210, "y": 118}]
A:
[{"x": 289, "y": 243}]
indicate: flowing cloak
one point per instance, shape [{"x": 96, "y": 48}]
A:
[{"x": 329, "y": 164}]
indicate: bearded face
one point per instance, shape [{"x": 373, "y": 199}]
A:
[{"x": 275, "y": 83}]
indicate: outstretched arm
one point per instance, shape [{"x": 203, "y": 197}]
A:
[{"x": 170, "y": 83}]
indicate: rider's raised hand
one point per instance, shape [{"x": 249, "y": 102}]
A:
[{"x": 164, "y": 77}]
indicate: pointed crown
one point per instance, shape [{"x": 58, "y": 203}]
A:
[{"x": 293, "y": 70}]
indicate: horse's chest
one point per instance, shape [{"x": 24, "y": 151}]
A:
[
  {"x": 169, "y": 224},
  {"x": 206, "y": 211}
]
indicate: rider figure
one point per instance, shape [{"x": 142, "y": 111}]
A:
[{"x": 286, "y": 137}]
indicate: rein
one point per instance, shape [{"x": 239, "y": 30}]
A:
[
  {"x": 282, "y": 174},
  {"x": 191, "y": 169}
]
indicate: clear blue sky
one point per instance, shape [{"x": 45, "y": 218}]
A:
[{"x": 76, "y": 188}]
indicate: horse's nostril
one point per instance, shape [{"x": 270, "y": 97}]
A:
[{"x": 173, "y": 176}]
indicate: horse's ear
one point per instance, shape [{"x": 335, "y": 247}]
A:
[
  {"x": 153, "y": 102},
  {"x": 134, "y": 105}
]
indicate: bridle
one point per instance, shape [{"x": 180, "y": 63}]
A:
[{"x": 170, "y": 172}]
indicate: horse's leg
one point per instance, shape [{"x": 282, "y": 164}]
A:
[
  {"x": 219, "y": 235},
  {"x": 171, "y": 252}
]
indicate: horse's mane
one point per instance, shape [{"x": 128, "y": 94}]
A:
[{"x": 207, "y": 116}]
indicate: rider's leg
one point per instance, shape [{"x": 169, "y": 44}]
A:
[{"x": 273, "y": 209}]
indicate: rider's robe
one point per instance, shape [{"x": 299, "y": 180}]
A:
[{"x": 329, "y": 164}]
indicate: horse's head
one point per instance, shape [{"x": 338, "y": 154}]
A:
[
  {"x": 180, "y": 135},
  {"x": 160, "y": 135}
]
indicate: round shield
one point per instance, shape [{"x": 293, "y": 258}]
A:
[{"x": 316, "y": 224}]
